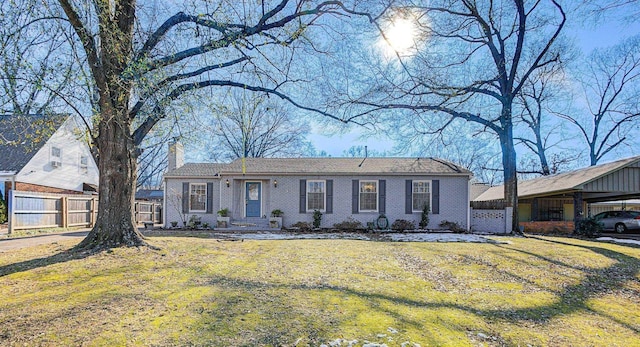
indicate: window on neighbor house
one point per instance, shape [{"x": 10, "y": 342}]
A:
[
  {"x": 197, "y": 197},
  {"x": 368, "y": 196},
  {"x": 56, "y": 156},
  {"x": 84, "y": 164},
  {"x": 316, "y": 195},
  {"x": 421, "y": 195}
]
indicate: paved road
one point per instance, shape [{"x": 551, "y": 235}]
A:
[{"x": 10, "y": 244}]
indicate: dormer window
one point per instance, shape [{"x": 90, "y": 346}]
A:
[{"x": 56, "y": 156}]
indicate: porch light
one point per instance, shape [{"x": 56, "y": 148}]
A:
[
  {"x": 227, "y": 183},
  {"x": 275, "y": 183}
]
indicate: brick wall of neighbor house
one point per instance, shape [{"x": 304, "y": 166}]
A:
[
  {"x": 173, "y": 200},
  {"x": 556, "y": 227},
  {"x": 454, "y": 199},
  {"x": 29, "y": 187}
]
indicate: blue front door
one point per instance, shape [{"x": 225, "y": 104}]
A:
[{"x": 253, "y": 195}]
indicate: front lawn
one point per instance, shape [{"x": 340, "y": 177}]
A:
[{"x": 538, "y": 292}]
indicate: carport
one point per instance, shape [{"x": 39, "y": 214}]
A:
[{"x": 566, "y": 197}]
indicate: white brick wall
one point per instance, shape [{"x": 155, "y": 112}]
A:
[{"x": 454, "y": 199}]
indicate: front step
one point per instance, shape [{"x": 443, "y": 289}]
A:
[{"x": 251, "y": 223}]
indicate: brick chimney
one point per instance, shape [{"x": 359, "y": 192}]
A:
[{"x": 176, "y": 155}]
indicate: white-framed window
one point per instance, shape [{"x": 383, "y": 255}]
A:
[
  {"x": 368, "y": 196},
  {"x": 421, "y": 195},
  {"x": 56, "y": 156},
  {"x": 316, "y": 195},
  {"x": 84, "y": 164},
  {"x": 197, "y": 197}
]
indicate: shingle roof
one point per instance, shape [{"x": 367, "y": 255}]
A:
[
  {"x": 340, "y": 166},
  {"x": 568, "y": 181},
  {"x": 21, "y": 137},
  {"x": 196, "y": 170}
]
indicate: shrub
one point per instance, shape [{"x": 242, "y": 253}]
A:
[
  {"x": 3, "y": 210},
  {"x": 424, "y": 217},
  {"x": 277, "y": 213},
  {"x": 453, "y": 226},
  {"x": 303, "y": 226},
  {"x": 403, "y": 224},
  {"x": 589, "y": 227},
  {"x": 349, "y": 224},
  {"x": 224, "y": 212},
  {"x": 194, "y": 221},
  {"x": 317, "y": 218}
]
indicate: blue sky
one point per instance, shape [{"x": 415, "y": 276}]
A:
[{"x": 587, "y": 36}]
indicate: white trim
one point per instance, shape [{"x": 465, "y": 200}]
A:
[
  {"x": 430, "y": 194},
  {"x": 360, "y": 196},
  {"x": 324, "y": 187},
  {"x": 205, "y": 197}
]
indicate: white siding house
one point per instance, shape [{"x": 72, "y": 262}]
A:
[{"x": 44, "y": 154}]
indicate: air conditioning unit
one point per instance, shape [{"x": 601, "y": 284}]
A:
[{"x": 56, "y": 163}]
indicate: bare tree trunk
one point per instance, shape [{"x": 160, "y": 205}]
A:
[
  {"x": 509, "y": 164},
  {"x": 115, "y": 225}
]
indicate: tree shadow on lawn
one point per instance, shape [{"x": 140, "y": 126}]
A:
[
  {"x": 32, "y": 264},
  {"x": 571, "y": 299},
  {"x": 574, "y": 298}
]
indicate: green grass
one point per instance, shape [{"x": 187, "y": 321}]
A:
[{"x": 538, "y": 292}]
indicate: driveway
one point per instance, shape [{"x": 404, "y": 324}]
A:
[{"x": 23, "y": 242}]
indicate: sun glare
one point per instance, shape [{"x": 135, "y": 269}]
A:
[{"x": 399, "y": 37}]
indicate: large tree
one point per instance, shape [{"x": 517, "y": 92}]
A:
[
  {"x": 140, "y": 62},
  {"x": 473, "y": 62},
  {"x": 610, "y": 85},
  {"x": 246, "y": 125},
  {"x": 33, "y": 68}
]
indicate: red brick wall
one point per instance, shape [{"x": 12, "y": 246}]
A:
[{"x": 560, "y": 227}]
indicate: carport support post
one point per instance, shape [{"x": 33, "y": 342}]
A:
[{"x": 578, "y": 205}]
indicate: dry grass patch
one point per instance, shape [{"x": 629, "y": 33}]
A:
[{"x": 537, "y": 292}]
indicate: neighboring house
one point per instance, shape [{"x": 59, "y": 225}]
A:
[
  {"x": 569, "y": 196},
  {"x": 340, "y": 188},
  {"x": 44, "y": 154},
  {"x": 155, "y": 195}
]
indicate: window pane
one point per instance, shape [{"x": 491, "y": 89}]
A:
[
  {"x": 421, "y": 195},
  {"x": 315, "y": 195},
  {"x": 368, "y": 196},
  {"x": 198, "y": 197}
]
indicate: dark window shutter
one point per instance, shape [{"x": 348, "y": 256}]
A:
[
  {"x": 382, "y": 188},
  {"x": 329, "y": 207},
  {"x": 185, "y": 197},
  {"x": 303, "y": 196},
  {"x": 355, "y": 192},
  {"x": 209, "y": 197},
  {"x": 408, "y": 197},
  {"x": 435, "y": 187}
]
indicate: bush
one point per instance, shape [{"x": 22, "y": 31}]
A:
[
  {"x": 589, "y": 227},
  {"x": 349, "y": 224},
  {"x": 453, "y": 226},
  {"x": 317, "y": 219},
  {"x": 277, "y": 213},
  {"x": 403, "y": 224},
  {"x": 303, "y": 226},
  {"x": 424, "y": 217},
  {"x": 3, "y": 210}
]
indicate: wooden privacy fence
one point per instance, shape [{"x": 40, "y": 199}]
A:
[
  {"x": 148, "y": 212},
  {"x": 40, "y": 210}
]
